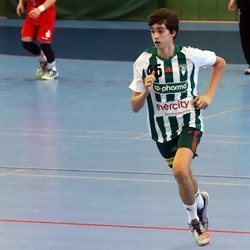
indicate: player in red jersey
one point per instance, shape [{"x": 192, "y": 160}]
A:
[{"x": 39, "y": 26}]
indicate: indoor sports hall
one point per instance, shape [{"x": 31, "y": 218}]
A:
[{"x": 77, "y": 167}]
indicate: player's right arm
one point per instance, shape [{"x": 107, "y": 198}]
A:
[
  {"x": 20, "y": 7},
  {"x": 138, "y": 98}
]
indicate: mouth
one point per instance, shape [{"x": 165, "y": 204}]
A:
[{"x": 157, "y": 43}]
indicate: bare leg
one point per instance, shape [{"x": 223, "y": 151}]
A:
[{"x": 187, "y": 183}]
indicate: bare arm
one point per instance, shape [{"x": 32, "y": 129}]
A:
[
  {"x": 138, "y": 99},
  {"x": 203, "y": 101},
  {"x": 20, "y": 7}
]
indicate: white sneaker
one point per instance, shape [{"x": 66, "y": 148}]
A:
[
  {"x": 50, "y": 75},
  {"x": 202, "y": 237},
  {"x": 41, "y": 69}
]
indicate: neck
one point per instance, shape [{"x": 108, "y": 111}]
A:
[{"x": 166, "y": 52}]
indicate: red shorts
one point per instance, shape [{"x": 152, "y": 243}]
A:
[{"x": 41, "y": 28}]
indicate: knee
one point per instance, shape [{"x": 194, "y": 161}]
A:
[
  {"x": 31, "y": 47},
  {"x": 180, "y": 171},
  {"x": 27, "y": 39},
  {"x": 26, "y": 44}
]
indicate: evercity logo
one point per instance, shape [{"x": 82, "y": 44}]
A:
[
  {"x": 182, "y": 104},
  {"x": 170, "y": 88}
]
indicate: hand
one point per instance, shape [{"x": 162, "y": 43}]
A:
[
  {"x": 20, "y": 9},
  {"x": 231, "y": 5},
  {"x": 202, "y": 102},
  {"x": 149, "y": 80},
  {"x": 34, "y": 13}
]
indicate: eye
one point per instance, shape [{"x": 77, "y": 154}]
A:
[{"x": 160, "y": 31}]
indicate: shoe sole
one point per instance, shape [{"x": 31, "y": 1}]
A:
[
  {"x": 205, "y": 244},
  {"x": 46, "y": 79}
]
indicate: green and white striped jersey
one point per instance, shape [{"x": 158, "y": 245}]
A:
[{"x": 169, "y": 103}]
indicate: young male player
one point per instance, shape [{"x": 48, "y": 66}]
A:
[
  {"x": 166, "y": 77},
  {"x": 39, "y": 25}
]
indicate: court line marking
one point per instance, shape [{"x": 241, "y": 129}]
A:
[
  {"x": 228, "y": 136},
  {"x": 124, "y": 179},
  {"x": 82, "y": 224},
  {"x": 12, "y": 172},
  {"x": 107, "y": 171},
  {"x": 111, "y": 135},
  {"x": 225, "y": 112},
  {"x": 68, "y": 130},
  {"x": 108, "y": 137},
  {"x": 226, "y": 142},
  {"x": 103, "y": 132},
  {"x": 143, "y": 136},
  {"x": 139, "y": 134}
]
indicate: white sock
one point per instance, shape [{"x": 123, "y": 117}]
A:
[
  {"x": 191, "y": 212},
  {"x": 199, "y": 200},
  {"x": 51, "y": 66}
]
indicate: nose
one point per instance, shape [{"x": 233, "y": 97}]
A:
[{"x": 155, "y": 35}]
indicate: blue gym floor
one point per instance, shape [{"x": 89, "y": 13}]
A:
[{"x": 79, "y": 171}]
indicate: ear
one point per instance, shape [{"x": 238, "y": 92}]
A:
[{"x": 173, "y": 33}]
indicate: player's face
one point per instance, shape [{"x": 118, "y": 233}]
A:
[{"x": 161, "y": 36}]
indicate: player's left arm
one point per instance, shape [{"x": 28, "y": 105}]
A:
[
  {"x": 37, "y": 11},
  {"x": 203, "y": 101}
]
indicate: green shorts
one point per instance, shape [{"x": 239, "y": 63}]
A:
[{"x": 189, "y": 138}]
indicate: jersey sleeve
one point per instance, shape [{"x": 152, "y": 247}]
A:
[
  {"x": 200, "y": 57},
  {"x": 137, "y": 85},
  {"x": 139, "y": 67}
]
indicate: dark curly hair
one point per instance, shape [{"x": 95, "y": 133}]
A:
[{"x": 166, "y": 16}]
